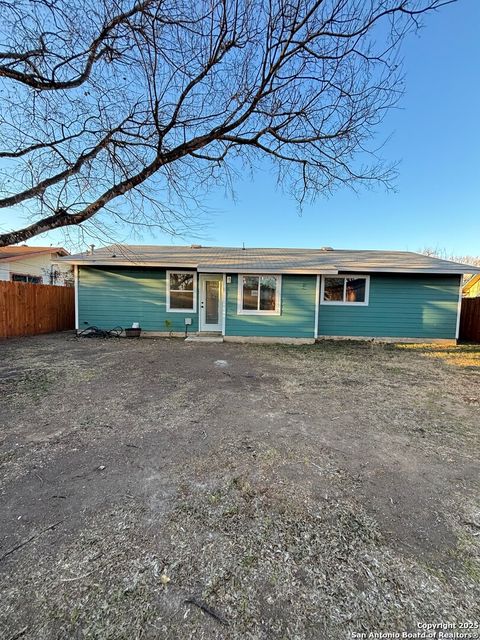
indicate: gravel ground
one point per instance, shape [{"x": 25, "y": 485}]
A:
[{"x": 163, "y": 489}]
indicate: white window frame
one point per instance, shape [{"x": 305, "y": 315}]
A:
[
  {"x": 259, "y": 312},
  {"x": 184, "y": 273},
  {"x": 345, "y": 302}
]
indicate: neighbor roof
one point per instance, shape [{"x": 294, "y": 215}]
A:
[
  {"x": 9, "y": 254},
  {"x": 254, "y": 260},
  {"x": 469, "y": 283}
]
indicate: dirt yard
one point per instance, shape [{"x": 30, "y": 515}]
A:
[{"x": 163, "y": 489}]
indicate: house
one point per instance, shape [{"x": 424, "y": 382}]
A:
[
  {"x": 37, "y": 265},
  {"x": 471, "y": 288},
  {"x": 294, "y": 295}
]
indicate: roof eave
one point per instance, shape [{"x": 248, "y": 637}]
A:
[
  {"x": 33, "y": 254},
  {"x": 262, "y": 270},
  {"x": 414, "y": 270},
  {"x": 197, "y": 267},
  {"x": 126, "y": 263},
  {"x": 325, "y": 270}
]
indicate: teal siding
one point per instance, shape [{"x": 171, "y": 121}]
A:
[
  {"x": 400, "y": 306},
  {"x": 297, "y": 319},
  {"x": 111, "y": 297}
]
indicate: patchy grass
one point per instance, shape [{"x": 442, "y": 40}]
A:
[
  {"x": 467, "y": 356},
  {"x": 34, "y": 384},
  {"x": 267, "y": 563},
  {"x": 297, "y": 492}
]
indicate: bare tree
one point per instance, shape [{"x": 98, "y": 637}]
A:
[
  {"x": 443, "y": 254},
  {"x": 131, "y": 109}
]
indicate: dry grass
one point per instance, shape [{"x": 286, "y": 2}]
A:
[
  {"x": 270, "y": 563},
  {"x": 459, "y": 356},
  {"x": 296, "y": 493}
]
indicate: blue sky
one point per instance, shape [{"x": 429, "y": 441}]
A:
[{"x": 436, "y": 139}]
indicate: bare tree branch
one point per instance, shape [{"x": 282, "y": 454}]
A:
[
  {"x": 169, "y": 98},
  {"x": 99, "y": 47}
]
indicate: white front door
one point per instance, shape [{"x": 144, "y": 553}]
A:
[{"x": 211, "y": 302}]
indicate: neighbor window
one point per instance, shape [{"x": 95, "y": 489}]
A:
[
  {"x": 23, "y": 277},
  {"x": 259, "y": 294},
  {"x": 181, "y": 291},
  {"x": 345, "y": 290}
]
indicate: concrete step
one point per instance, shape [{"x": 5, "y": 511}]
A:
[{"x": 205, "y": 338}]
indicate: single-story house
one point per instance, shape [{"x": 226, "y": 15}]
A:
[
  {"x": 471, "y": 288},
  {"x": 243, "y": 294},
  {"x": 36, "y": 265}
]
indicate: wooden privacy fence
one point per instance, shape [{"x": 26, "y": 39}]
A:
[
  {"x": 470, "y": 319},
  {"x": 28, "y": 309}
]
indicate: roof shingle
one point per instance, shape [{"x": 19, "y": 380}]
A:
[{"x": 268, "y": 260}]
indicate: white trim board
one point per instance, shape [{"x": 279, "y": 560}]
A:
[
  {"x": 75, "y": 282},
  {"x": 317, "y": 306},
  {"x": 224, "y": 310},
  {"x": 459, "y": 310}
]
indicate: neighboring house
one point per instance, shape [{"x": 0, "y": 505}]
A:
[
  {"x": 37, "y": 265},
  {"x": 297, "y": 295},
  {"x": 471, "y": 288}
]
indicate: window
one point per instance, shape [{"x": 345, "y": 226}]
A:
[
  {"x": 24, "y": 277},
  {"x": 181, "y": 291},
  {"x": 345, "y": 290},
  {"x": 259, "y": 295}
]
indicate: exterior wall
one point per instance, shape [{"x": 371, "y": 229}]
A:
[
  {"x": 118, "y": 297},
  {"x": 34, "y": 266},
  {"x": 413, "y": 306},
  {"x": 399, "y": 306},
  {"x": 297, "y": 319}
]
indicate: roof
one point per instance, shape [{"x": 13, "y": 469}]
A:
[
  {"x": 267, "y": 260},
  {"x": 11, "y": 253},
  {"x": 470, "y": 282}
]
